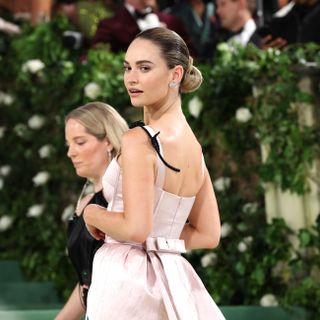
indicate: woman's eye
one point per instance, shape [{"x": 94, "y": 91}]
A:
[
  {"x": 144, "y": 69},
  {"x": 126, "y": 68}
]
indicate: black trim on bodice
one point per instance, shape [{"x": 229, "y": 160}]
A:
[{"x": 154, "y": 143}]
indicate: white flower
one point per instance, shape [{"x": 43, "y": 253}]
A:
[
  {"x": 195, "y": 106},
  {"x": 33, "y": 66},
  {"x": 6, "y": 99},
  {"x": 243, "y": 115},
  {"x": 268, "y": 300},
  {"x": 5, "y": 223},
  {"x": 20, "y": 129},
  {"x": 67, "y": 212},
  {"x": 209, "y": 259},
  {"x": 41, "y": 178},
  {"x": 248, "y": 240},
  {"x": 45, "y": 151},
  {"x": 92, "y": 90},
  {"x": 2, "y": 130},
  {"x": 250, "y": 207},
  {"x": 35, "y": 211},
  {"x": 226, "y": 229},
  {"x": 5, "y": 170},
  {"x": 242, "y": 246},
  {"x": 256, "y": 92},
  {"x": 1, "y": 183},
  {"x": 36, "y": 121},
  {"x": 222, "y": 183}
]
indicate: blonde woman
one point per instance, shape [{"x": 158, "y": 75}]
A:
[{"x": 93, "y": 134}]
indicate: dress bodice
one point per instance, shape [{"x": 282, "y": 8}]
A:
[{"x": 170, "y": 210}]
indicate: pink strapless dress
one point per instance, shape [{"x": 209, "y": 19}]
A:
[{"x": 149, "y": 281}]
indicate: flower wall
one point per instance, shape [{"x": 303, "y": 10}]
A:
[{"x": 245, "y": 101}]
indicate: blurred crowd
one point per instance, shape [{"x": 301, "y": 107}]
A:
[{"x": 203, "y": 24}]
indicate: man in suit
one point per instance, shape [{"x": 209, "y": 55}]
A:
[
  {"x": 298, "y": 22},
  {"x": 131, "y": 18},
  {"x": 236, "y": 18}
]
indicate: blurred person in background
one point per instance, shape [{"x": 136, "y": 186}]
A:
[
  {"x": 237, "y": 22},
  {"x": 93, "y": 133},
  {"x": 296, "y": 22},
  {"x": 199, "y": 20},
  {"x": 131, "y": 18},
  {"x": 33, "y": 10}
]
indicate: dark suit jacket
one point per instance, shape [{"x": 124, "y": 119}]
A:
[
  {"x": 120, "y": 30},
  {"x": 301, "y": 24}
]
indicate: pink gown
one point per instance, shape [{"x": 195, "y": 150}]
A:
[{"x": 150, "y": 281}]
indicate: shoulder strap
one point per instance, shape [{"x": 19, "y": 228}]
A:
[{"x": 161, "y": 167}]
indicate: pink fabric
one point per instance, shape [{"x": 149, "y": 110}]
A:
[{"x": 149, "y": 281}]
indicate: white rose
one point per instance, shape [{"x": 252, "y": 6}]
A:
[
  {"x": 20, "y": 129},
  {"x": 243, "y": 115},
  {"x": 222, "y": 183},
  {"x": 1, "y": 183},
  {"x": 226, "y": 229},
  {"x": 5, "y": 170},
  {"x": 209, "y": 259},
  {"x": 195, "y": 106},
  {"x": 250, "y": 207},
  {"x": 92, "y": 90},
  {"x": 35, "y": 211},
  {"x": 36, "y": 121},
  {"x": 5, "y": 223},
  {"x": 45, "y": 151},
  {"x": 268, "y": 300},
  {"x": 41, "y": 178},
  {"x": 33, "y": 66},
  {"x": 242, "y": 246},
  {"x": 67, "y": 212},
  {"x": 6, "y": 99},
  {"x": 2, "y": 130}
]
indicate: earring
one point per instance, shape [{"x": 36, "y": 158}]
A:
[
  {"x": 109, "y": 155},
  {"x": 172, "y": 84}
]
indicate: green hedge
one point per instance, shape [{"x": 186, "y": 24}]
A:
[{"x": 246, "y": 100}]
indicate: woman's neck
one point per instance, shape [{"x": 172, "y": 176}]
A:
[{"x": 155, "y": 113}]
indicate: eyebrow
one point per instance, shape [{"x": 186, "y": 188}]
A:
[{"x": 139, "y": 62}]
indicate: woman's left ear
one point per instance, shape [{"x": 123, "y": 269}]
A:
[{"x": 177, "y": 74}]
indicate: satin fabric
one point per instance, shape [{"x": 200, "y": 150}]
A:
[{"x": 149, "y": 281}]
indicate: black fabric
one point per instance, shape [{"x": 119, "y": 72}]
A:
[
  {"x": 154, "y": 143},
  {"x": 300, "y": 25},
  {"x": 81, "y": 245}
]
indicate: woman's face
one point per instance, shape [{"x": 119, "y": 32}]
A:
[
  {"x": 146, "y": 75},
  {"x": 88, "y": 154}
]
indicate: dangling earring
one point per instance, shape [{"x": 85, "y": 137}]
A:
[{"x": 172, "y": 84}]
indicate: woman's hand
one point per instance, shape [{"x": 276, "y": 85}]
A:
[{"x": 95, "y": 232}]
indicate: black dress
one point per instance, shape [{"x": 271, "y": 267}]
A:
[{"x": 82, "y": 246}]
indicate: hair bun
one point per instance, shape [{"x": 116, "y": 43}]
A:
[{"x": 192, "y": 79}]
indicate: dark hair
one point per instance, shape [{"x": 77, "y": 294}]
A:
[{"x": 175, "y": 52}]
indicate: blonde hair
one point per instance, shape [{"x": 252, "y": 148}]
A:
[
  {"x": 175, "y": 51},
  {"x": 102, "y": 121}
]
